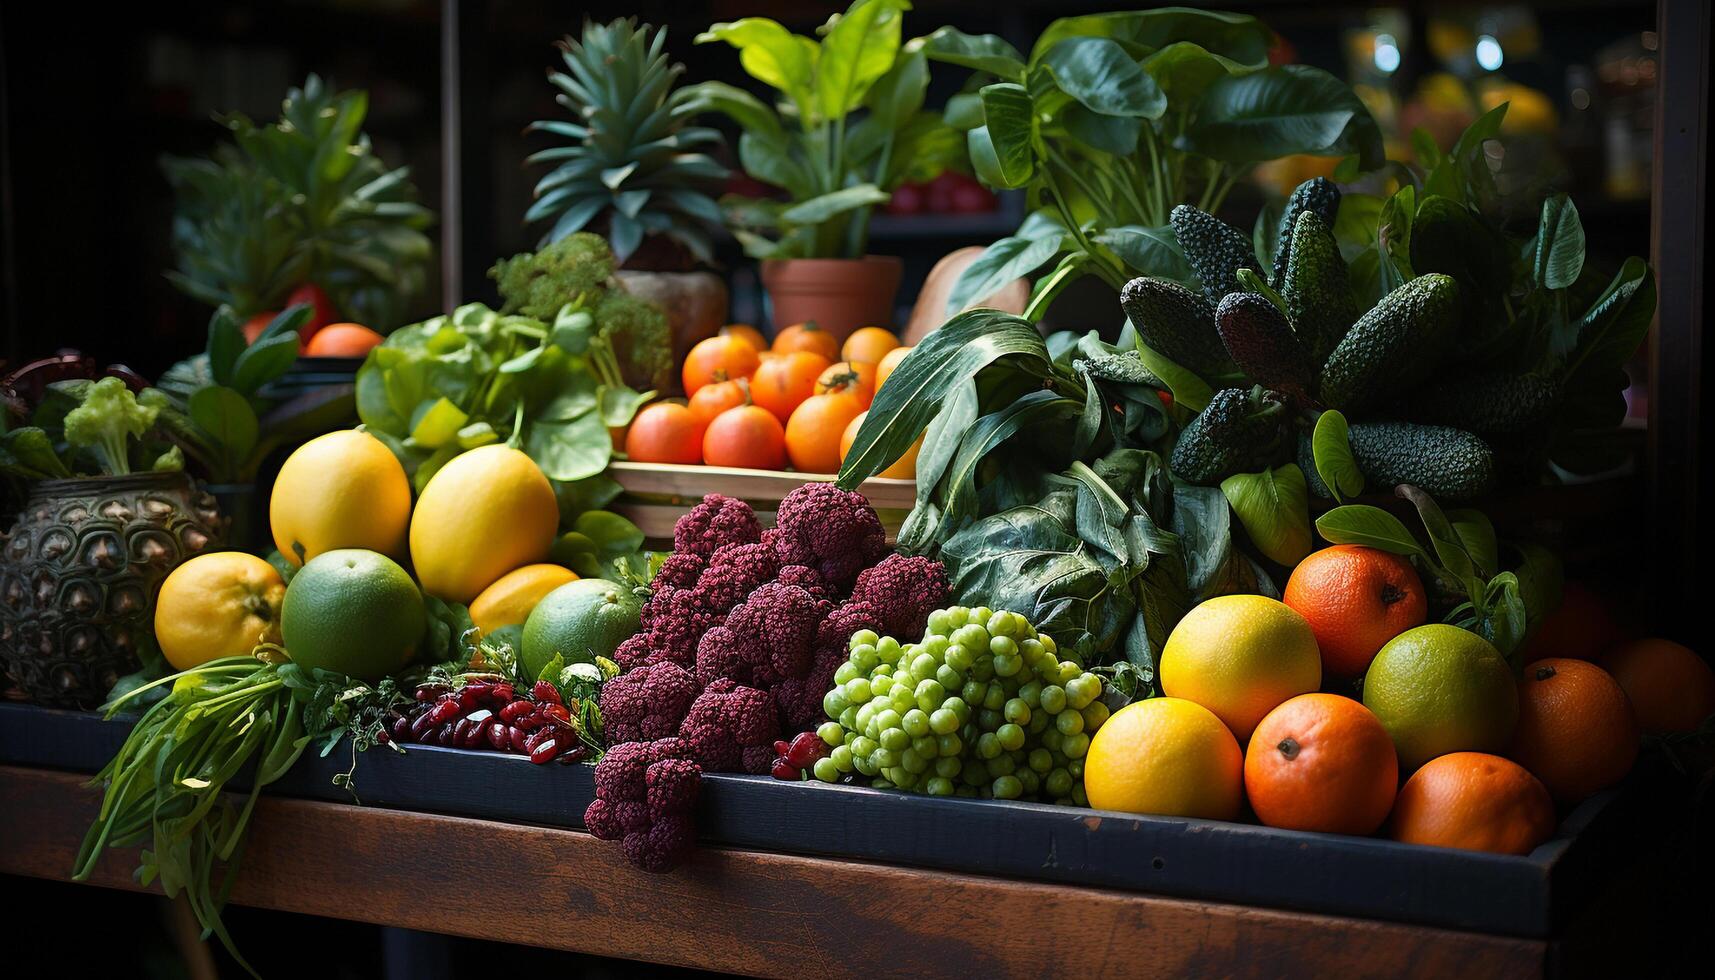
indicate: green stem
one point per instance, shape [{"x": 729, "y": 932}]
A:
[{"x": 1231, "y": 181}]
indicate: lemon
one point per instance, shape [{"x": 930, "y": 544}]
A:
[
  {"x": 483, "y": 514},
  {"x": 341, "y": 490},
  {"x": 1241, "y": 656},
  {"x": 353, "y": 611},
  {"x": 1440, "y": 689},
  {"x": 1168, "y": 756},
  {"x": 509, "y": 600},
  {"x": 217, "y": 605}
]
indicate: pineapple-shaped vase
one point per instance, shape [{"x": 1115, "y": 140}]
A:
[{"x": 79, "y": 571}]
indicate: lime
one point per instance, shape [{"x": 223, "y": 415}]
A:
[
  {"x": 1440, "y": 689},
  {"x": 352, "y": 611},
  {"x": 579, "y": 621}
]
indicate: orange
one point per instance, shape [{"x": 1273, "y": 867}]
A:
[
  {"x": 868, "y": 345},
  {"x": 1240, "y": 656},
  {"x": 1167, "y": 756},
  {"x": 1670, "y": 687},
  {"x": 1474, "y": 801},
  {"x": 782, "y": 383},
  {"x": 903, "y": 468},
  {"x": 718, "y": 359},
  {"x": 889, "y": 361},
  {"x": 1575, "y": 728},
  {"x": 342, "y": 340},
  {"x": 1583, "y": 626},
  {"x": 807, "y": 337},
  {"x": 1355, "y": 599},
  {"x": 509, "y": 600},
  {"x": 813, "y": 432},
  {"x": 219, "y": 604},
  {"x": 665, "y": 432},
  {"x": 746, "y": 436},
  {"x": 1321, "y": 762},
  {"x": 746, "y": 333},
  {"x": 713, "y": 399},
  {"x": 856, "y": 377},
  {"x": 254, "y": 326}
]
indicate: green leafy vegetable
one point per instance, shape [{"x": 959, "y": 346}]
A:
[{"x": 1274, "y": 507}]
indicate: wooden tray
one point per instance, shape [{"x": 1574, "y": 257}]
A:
[
  {"x": 1530, "y": 896},
  {"x": 656, "y": 494}
]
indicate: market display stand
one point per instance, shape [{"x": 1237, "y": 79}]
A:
[{"x": 994, "y": 889}]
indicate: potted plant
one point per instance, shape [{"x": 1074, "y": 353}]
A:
[
  {"x": 634, "y": 170},
  {"x": 833, "y": 164},
  {"x": 300, "y": 211},
  {"x": 108, "y": 513}
]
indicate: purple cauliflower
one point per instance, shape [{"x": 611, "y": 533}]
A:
[
  {"x": 681, "y": 620},
  {"x": 903, "y": 591},
  {"x": 668, "y": 841},
  {"x": 766, "y": 638},
  {"x": 718, "y": 520},
  {"x": 734, "y": 572},
  {"x": 726, "y": 720},
  {"x": 678, "y": 571},
  {"x": 644, "y": 796},
  {"x": 805, "y": 578},
  {"x": 833, "y": 531},
  {"x": 647, "y": 702},
  {"x": 799, "y": 699}
]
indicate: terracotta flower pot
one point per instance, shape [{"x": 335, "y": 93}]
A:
[{"x": 840, "y": 295}]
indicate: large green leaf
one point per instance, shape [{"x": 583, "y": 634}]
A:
[
  {"x": 1001, "y": 263},
  {"x": 1610, "y": 331},
  {"x": 857, "y": 50},
  {"x": 1110, "y": 134},
  {"x": 1393, "y": 239},
  {"x": 1184, "y": 71},
  {"x": 930, "y": 373},
  {"x": 263, "y": 361},
  {"x": 1010, "y": 121},
  {"x": 896, "y": 96},
  {"x": 1274, "y": 507},
  {"x": 1100, "y": 74},
  {"x": 750, "y": 113},
  {"x": 1369, "y": 526},
  {"x": 819, "y": 209},
  {"x": 1189, "y": 391},
  {"x": 1239, "y": 37},
  {"x": 958, "y": 485},
  {"x": 1559, "y": 246},
  {"x": 227, "y": 419},
  {"x": 1149, "y": 251},
  {"x": 774, "y": 56},
  {"x": 982, "y": 52},
  {"x": 1331, "y": 454},
  {"x": 1280, "y": 112}
]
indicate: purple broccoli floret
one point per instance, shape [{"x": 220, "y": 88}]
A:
[
  {"x": 725, "y": 720},
  {"x": 734, "y": 572},
  {"x": 647, "y": 703},
  {"x": 718, "y": 520},
  {"x": 835, "y": 532},
  {"x": 667, "y": 842},
  {"x": 644, "y": 795},
  {"x": 766, "y": 638},
  {"x": 904, "y": 591}
]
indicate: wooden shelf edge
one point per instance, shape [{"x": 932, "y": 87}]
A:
[{"x": 743, "y": 911}]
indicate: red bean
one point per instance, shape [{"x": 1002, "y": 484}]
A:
[{"x": 545, "y": 751}]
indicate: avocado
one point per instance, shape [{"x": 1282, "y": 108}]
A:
[
  {"x": 1394, "y": 346},
  {"x": 1262, "y": 344},
  {"x": 1239, "y": 431},
  {"x": 1317, "y": 196},
  {"x": 1176, "y": 323},
  {"x": 1215, "y": 249},
  {"x": 1448, "y": 463},
  {"x": 1314, "y": 287}
]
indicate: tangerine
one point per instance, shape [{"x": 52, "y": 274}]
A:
[
  {"x": 807, "y": 337},
  {"x": 1583, "y": 627},
  {"x": 781, "y": 383},
  {"x": 868, "y": 345},
  {"x": 1355, "y": 599},
  {"x": 1321, "y": 762},
  {"x": 665, "y": 432},
  {"x": 813, "y": 432},
  {"x": 1475, "y": 801},
  {"x": 718, "y": 359},
  {"x": 856, "y": 377},
  {"x": 713, "y": 399},
  {"x": 746, "y": 333},
  {"x": 889, "y": 361},
  {"x": 1670, "y": 687},
  {"x": 342, "y": 340},
  {"x": 1575, "y": 728}
]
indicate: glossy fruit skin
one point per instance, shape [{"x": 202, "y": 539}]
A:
[
  {"x": 342, "y": 340},
  {"x": 322, "y": 310},
  {"x": 1582, "y": 627},
  {"x": 903, "y": 468},
  {"x": 1240, "y": 656},
  {"x": 1474, "y": 801},
  {"x": 807, "y": 337},
  {"x": 813, "y": 432},
  {"x": 782, "y": 383},
  {"x": 1355, "y": 600},
  {"x": 746, "y": 333},
  {"x": 718, "y": 359},
  {"x": 1165, "y": 756},
  {"x": 868, "y": 345},
  {"x": 598, "y": 613},
  {"x": 748, "y": 437},
  {"x": 665, "y": 432},
  {"x": 888, "y": 362},
  {"x": 856, "y": 377},
  {"x": 1321, "y": 762},
  {"x": 1575, "y": 728},
  {"x": 713, "y": 399},
  {"x": 1440, "y": 689},
  {"x": 484, "y": 513},
  {"x": 340, "y": 490},
  {"x": 509, "y": 600},
  {"x": 352, "y": 611},
  {"x": 218, "y": 605},
  {"x": 1671, "y": 688}
]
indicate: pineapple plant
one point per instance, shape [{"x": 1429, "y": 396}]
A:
[
  {"x": 300, "y": 200},
  {"x": 631, "y": 167}
]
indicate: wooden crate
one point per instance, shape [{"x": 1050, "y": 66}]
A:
[{"x": 656, "y": 494}]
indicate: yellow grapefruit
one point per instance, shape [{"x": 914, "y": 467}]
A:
[
  {"x": 1241, "y": 656},
  {"x": 509, "y": 600},
  {"x": 217, "y": 605},
  {"x": 1168, "y": 756},
  {"x": 342, "y": 490},
  {"x": 483, "y": 514}
]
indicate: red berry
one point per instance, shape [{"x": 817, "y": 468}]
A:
[
  {"x": 445, "y": 711},
  {"x": 545, "y": 751},
  {"x": 515, "y": 737},
  {"x": 502, "y": 693},
  {"x": 544, "y": 691},
  {"x": 780, "y": 746},
  {"x": 422, "y": 725},
  {"x": 784, "y": 770},
  {"x": 558, "y": 712},
  {"x": 806, "y": 748},
  {"x": 516, "y": 710}
]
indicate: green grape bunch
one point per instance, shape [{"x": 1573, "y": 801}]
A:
[{"x": 982, "y": 706}]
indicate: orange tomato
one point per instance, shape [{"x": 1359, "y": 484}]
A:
[
  {"x": 746, "y": 436},
  {"x": 855, "y": 377},
  {"x": 665, "y": 432},
  {"x": 807, "y": 337},
  {"x": 713, "y": 399},
  {"x": 903, "y": 468},
  {"x": 813, "y": 432},
  {"x": 342, "y": 340},
  {"x": 746, "y": 333},
  {"x": 718, "y": 359},
  {"x": 868, "y": 345},
  {"x": 781, "y": 383},
  {"x": 889, "y": 361}
]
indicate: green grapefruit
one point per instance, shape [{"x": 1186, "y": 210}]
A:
[
  {"x": 353, "y": 611},
  {"x": 1440, "y": 689},
  {"x": 579, "y": 621}
]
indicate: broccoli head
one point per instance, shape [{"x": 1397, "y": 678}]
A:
[
  {"x": 834, "y": 531},
  {"x": 645, "y": 792},
  {"x": 647, "y": 702},
  {"x": 718, "y": 520},
  {"x": 106, "y": 421},
  {"x": 538, "y": 284},
  {"x": 904, "y": 591},
  {"x": 641, "y": 338},
  {"x": 767, "y": 638},
  {"x": 731, "y": 728}
]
